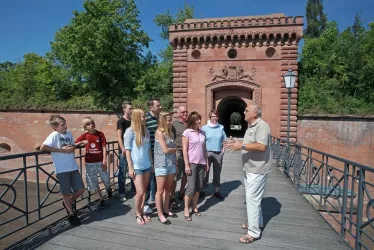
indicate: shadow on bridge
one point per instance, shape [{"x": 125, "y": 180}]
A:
[{"x": 290, "y": 222}]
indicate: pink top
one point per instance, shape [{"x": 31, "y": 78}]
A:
[{"x": 196, "y": 143}]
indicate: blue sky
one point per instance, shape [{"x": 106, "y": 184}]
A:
[{"x": 29, "y": 25}]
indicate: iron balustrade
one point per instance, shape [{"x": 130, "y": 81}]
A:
[
  {"x": 17, "y": 188},
  {"x": 342, "y": 190}
]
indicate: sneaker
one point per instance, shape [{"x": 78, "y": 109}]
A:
[
  {"x": 74, "y": 220},
  {"x": 147, "y": 209},
  {"x": 201, "y": 195},
  {"x": 109, "y": 192},
  {"x": 122, "y": 197},
  {"x": 101, "y": 205},
  {"x": 219, "y": 196}
]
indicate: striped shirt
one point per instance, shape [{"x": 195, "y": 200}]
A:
[{"x": 151, "y": 124}]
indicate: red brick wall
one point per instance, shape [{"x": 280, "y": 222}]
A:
[
  {"x": 349, "y": 138},
  {"x": 23, "y": 131}
]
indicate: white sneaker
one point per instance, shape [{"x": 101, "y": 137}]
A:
[
  {"x": 122, "y": 197},
  {"x": 147, "y": 209}
]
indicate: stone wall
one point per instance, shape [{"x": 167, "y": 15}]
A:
[
  {"x": 347, "y": 137},
  {"x": 25, "y": 131}
]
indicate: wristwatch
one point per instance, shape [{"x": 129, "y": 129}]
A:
[{"x": 243, "y": 146}]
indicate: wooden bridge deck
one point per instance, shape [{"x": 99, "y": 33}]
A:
[{"x": 290, "y": 222}]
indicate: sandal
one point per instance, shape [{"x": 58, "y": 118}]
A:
[
  {"x": 146, "y": 218},
  {"x": 188, "y": 218},
  {"x": 170, "y": 214},
  {"x": 197, "y": 213},
  {"x": 140, "y": 220},
  {"x": 246, "y": 239}
]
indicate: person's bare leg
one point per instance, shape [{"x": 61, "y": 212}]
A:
[
  {"x": 168, "y": 185},
  {"x": 160, "y": 180},
  {"x": 195, "y": 200},
  {"x": 183, "y": 184}
]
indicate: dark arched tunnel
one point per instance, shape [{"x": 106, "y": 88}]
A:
[{"x": 225, "y": 108}]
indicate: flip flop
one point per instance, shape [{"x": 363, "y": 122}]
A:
[
  {"x": 246, "y": 239},
  {"x": 141, "y": 220},
  {"x": 197, "y": 213},
  {"x": 188, "y": 218}
]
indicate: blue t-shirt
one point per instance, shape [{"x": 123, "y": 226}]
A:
[
  {"x": 215, "y": 134},
  {"x": 139, "y": 155}
]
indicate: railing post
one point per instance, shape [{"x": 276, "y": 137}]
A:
[
  {"x": 345, "y": 197},
  {"x": 297, "y": 165},
  {"x": 37, "y": 184},
  {"x": 26, "y": 191},
  {"x": 359, "y": 208}
]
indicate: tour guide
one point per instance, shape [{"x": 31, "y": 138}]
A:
[{"x": 256, "y": 157}]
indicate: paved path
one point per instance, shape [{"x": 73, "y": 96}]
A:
[{"x": 290, "y": 222}]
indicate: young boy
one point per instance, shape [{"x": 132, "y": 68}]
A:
[
  {"x": 95, "y": 158},
  {"x": 60, "y": 144}
]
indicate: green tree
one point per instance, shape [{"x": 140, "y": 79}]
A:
[
  {"x": 161, "y": 74},
  {"x": 235, "y": 118},
  {"x": 102, "y": 47},
  {"x": 336, "y": 71},
  {"x": 315, "y": 17}
]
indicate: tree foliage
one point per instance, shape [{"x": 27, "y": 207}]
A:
[
  {"x": 157, "y": 80},
  {"x": 102, "y": 45},
  {"x": 336, "y": 71},
  {"x": 315, "y": 17},
  {"x": 235, "y": 118}
]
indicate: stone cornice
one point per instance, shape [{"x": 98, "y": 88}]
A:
[
  {"x": 238, "y": 23},
  {"x": 268, "y": 31},
  {"x": 236, "y": 39}
]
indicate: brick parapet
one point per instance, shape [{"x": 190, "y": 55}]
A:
[{"x": 245, "y": 22}]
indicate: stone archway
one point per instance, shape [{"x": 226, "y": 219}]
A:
[{"x": 241, "y": 85}]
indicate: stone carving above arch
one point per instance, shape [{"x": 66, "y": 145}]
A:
[
  {"x": 240, "y": 84},
  {"x": 232, "y": 72}
]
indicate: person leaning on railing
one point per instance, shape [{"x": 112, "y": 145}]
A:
[
  {"x": 256, "y": 158},
  {"x": 60, "y": 144}
]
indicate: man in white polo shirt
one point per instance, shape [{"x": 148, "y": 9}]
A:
[{"x": 257, "y": 163}]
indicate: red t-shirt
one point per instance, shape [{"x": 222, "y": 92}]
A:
[{"x": 94, "y": 147}]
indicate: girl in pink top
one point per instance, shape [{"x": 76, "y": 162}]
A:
[{"x": 196, "y": 162}]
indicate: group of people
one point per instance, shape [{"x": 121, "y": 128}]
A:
[{"x": 157, "y": 152}]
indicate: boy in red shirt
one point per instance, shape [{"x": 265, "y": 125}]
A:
[{"x": 95, "y": 158}]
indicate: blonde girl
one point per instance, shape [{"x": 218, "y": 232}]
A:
[
  {"x": 165, "y": 166},
  {"x": 138, "y": 155}
]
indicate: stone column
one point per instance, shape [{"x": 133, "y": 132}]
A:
[
  {"x": 289, "y": 60},
  {"x": 179, "y": 79}
]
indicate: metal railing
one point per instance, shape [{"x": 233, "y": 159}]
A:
[
  {"x": 30, "y": 192},
  {"x": 341, "y": 190}
]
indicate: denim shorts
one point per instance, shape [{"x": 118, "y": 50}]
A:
[
  {"x": 142, "y": 171},
  {"x": 161, "y": 171}
]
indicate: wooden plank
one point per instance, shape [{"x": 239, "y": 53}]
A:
[{"x": 290, "y": 221}]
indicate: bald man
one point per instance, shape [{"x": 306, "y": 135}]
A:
[{"x": 257, "y": 163}]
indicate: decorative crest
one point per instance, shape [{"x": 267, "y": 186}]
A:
[{"x": 232, "y": 72}]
